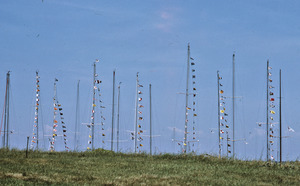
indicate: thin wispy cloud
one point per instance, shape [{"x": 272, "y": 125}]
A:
[{"x": 166, "y": 21}]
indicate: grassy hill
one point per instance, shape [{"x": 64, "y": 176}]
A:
[{"x": 106, "y": 167}]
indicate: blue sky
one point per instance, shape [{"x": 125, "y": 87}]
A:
[{"x": 63, "y": 38}]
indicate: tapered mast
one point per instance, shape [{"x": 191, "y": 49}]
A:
[
  {"x": 280, "y": 121},
  {"x": 219, "y": 119},
  {"x": 136, "y": 112},
  {"x": 37, "y": 111},
  {"x": 267, "y": 122},
  {"x": 150, "y": 99},
  {"x": 113, "y": 112},
  {"x": 233, "y": 97},
  {"x": 76, "y": 118},
  {"x": 6, "y": 112},
  {"x": 118, "y": 117},
  {"x": 94, "y": 101},
  {"x": 52, "y": 144},
  {"x": 186, "y": 100}
]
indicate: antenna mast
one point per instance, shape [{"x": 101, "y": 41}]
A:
[
  {"x": 233, "y": 94},
  {"x": 113, "y": 112},
  {"x": 136, "y": 114},
  {"x": 76, "y": 118},
  {"x": 280, "y": 126},
  {"x": 186, "y": 100},
  {"x": 94, "y": 105},
  {"x": 219, "y": 119},
  {"x": 6, "y": 112},
  {"x": 150, "y": 100},
  {"x": 118, "y": 116},
  {"x": 267, "y": 123},
  {"x": 35, "y": 132}
]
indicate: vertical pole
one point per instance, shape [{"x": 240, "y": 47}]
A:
[
  {"x": 7, "y": 111},
  {"x": 113, "y": 112},
  {"x": 118, "y": 119},
  {"x": 37, "y": 111},
  {"x": 280, "y": 126},
  {"x": 93, "y": 113},
  {"x": 186, "y": 100},
  {"x": 233, "y": 92},
  {"x": 150, "y": 119},
  {"x": 219, "y": 119},
  {"x": 5, "y": 132},
  {"x": 27, "y": 147},
  {"x": 136, "y": 110},
  {"x": 52, "y": 147},
  {"x": 76, "y": 117},
  {"x": 267, "y": 104}
]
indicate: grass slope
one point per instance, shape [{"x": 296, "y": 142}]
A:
[{"x": 105, "y": 167}]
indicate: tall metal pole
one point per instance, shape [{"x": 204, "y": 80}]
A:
[
  {"x": 76, "y": 117},
  {"x": 8, "y": 92},
  {"x": 233, "y": 92},
  {"x": 267, "y": 111},
  {"x": 113, "y": 112},
  {"x": 93, "y": 113},
  {"x": 187, "y": 99},
  {"x": 136, "y": 114},
  {"x": 52, "y": 147},
  {"x": 37, "y": 117},
  {"x": 280, "y": 123},
  {"x": 150, "y": 99},
  {"x": 118, "y": 117},
  {"x": 219, "y": 119},
  {"x": 5, "y": 100},
  {"x": 6, "y": 112}
]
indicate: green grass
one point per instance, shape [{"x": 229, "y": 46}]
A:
[{"x": 106, "y": 167}]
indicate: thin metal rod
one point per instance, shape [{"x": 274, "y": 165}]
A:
[
  {"x": 187, "y": 100},
  {"x": 150, "y": 99},
  {"x": 8, "y": 93},
  {"x": 219, "y": 119},
  {"x": 267, "y": 123},
  {"x": 76, "y": 117},
  {"x": 280, "y": 121},
  {"x": 52, "y": 146},
  {"x": 136, "y": 110},
  {"x": 37, "y": 111},
  {"x": 118, "y": 117},
  {"x": 5, "y": 111},
  {"x": 113, "y": 112},
  {"x": 93, "y": 113},
  {"x": 233, "y": 104}
]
